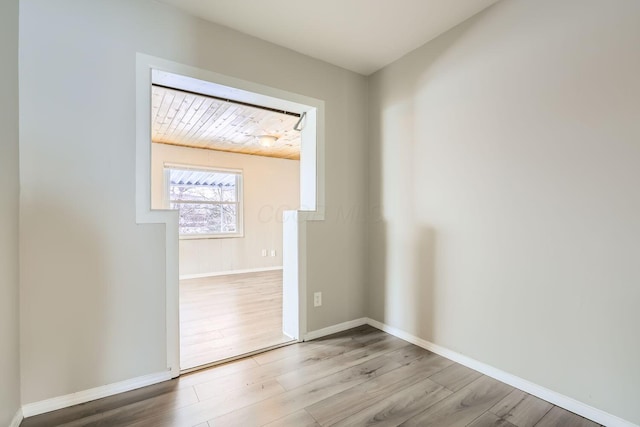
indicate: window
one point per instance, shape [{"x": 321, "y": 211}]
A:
[{"x": 208, "y": 201}]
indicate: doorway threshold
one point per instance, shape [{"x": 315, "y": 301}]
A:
[{"x": 234, "y": 358}]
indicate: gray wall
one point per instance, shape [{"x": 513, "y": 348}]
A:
[
  {"x": 502, "y": 173},
  {"x": 92, "y": 280},
  {"x": 505, "y": 162},
  {"x": 9, "y": 329}
]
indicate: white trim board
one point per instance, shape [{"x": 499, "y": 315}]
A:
[
  {"x": 334, "y": 329},
  {"x": 17, "y": 419},
  {"x": 551, "y": 396},
  {"x": 558, "y": 399},
  {"x": 312, "y": 171},
  {"x": 55, "y": 403},
  {"x": 228, "y": 272}
]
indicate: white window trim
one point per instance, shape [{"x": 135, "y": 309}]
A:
[{"x": 240, "y": 203}]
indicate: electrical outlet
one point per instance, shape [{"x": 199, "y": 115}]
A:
[
  {"x": 264, "y": 252},
  {"x": 317, "y": 299},
  {"x": 273, "y": 252}
]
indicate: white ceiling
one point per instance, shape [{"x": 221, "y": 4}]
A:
[
  {"x": 359, "y": 35},
  {"x": 198, "y": 121}
]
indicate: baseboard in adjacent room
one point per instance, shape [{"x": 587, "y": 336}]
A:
[
  {"x": 229, "y": 272},
  {"x": 17, "y": 419},
  {"x": 334, "y": 329},
  {"x": 551, "y": 396},
  {"x": 55, "y": 403}
]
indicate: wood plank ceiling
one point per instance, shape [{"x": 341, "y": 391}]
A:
[{"x": 198, "y": 121}]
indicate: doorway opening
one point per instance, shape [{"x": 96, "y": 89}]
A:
[{"x": 235, "y": 263}]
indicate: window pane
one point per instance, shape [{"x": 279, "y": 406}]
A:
[
  {"x": 196, "y": 186},
  {"x": 195, "y": 218},
  {"x": 229, "y": 219},
  {"x": 230, "y": 194},
  {"x": 195, "y": 194},
  {"x": 207, "y": 201}
]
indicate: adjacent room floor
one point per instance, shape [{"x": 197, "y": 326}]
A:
[
  {"x": 359, "y": 377},
  {"x": 226, "y": 316}
]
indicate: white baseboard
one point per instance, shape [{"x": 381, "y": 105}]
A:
[
  {"x": 335, "y": 329},
  {"x": 557, "y": 399},
  {"x": 55, "y": 403},
  {"x": 553, "y": 397},
  {"x": 17, "y": 419},
  {"x": 226, "y": 273}
]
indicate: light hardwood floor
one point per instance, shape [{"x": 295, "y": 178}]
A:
[
  {"x": 226, "y": 316},
  {"x": 358, "y": 377}
]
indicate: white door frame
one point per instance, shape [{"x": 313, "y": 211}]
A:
[{"x": 312, "y": 193}]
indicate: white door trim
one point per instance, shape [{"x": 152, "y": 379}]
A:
[{"x": 312, "y": 174}]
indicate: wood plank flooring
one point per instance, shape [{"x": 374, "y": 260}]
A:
[
  {"x": 359, "y": 377},
  {"x": 227, "y": 316}
]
